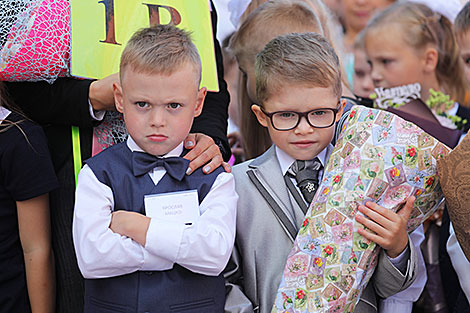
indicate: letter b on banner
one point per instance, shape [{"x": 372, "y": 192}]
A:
[
  {"x": 101, "y": 29},
  {"x": 154, "y": 14},
  {"x": 154, "y": 18}
]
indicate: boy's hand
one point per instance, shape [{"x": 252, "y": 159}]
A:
[
  {"x": 131, "y": 224},
  {"x": 203, "y": 151},
  {"x": 389, "y": 227}
]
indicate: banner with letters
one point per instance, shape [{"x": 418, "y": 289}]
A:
[{"x": 101, "y": 29}]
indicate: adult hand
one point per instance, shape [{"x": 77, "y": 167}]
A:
[
  {"x": 101, "y": 93},
  {"x": 203, "y": 152},
  {"x": 388, "y": 228}
]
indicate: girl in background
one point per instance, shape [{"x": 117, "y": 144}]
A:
[
  {"x": 410, "y": 43},
  {"x": 27, "y": 282},
  {"x": 354, "y": 15},
  {"x": 283, "y": 16},
  {"x": 252, "y": 35}
]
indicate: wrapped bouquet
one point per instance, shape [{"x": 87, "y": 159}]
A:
[{"x": 379, "y": 157}]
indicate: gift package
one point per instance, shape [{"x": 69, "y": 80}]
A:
[{"x": 378, "y": 157}]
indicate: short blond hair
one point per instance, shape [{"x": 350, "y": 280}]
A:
[
  {"x": 160, "y": 49},
  {"x": 306, "y": 59}
]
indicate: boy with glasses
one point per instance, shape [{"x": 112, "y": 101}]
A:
[{"x": 298, "y": 87}]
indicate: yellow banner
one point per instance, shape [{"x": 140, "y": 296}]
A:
[{"x": 101, "y": 29}]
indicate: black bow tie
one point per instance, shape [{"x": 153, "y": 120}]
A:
[{"x": 142, "y": 163}]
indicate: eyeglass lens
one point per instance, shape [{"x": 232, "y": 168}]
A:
[{"x": 317, "y": 118}]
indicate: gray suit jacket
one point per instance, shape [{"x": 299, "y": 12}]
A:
[{"x": 267, "y": 222}]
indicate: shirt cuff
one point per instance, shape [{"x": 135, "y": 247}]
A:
[
  {"x": 393, "y": 305},
  {"x": 96, "y": 115},
  {"x": 401, "y": 261},
  {"x": 164, "y": 239}
]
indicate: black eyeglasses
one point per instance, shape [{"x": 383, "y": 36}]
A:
[{"x": 287, "y": 120}]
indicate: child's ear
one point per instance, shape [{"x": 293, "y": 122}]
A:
[
  {"x": 262, "y": 118},
  {"x": 431, "y": 57},
  {"x": 117, "y": 91},
  {"x": 201, "y": 95},
  {"x": 342, "y": 104}
]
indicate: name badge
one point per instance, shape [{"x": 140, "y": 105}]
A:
[{"x": 180, "y": 206}]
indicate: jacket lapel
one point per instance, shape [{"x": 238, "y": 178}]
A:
[
  {"x": 299, "y": 214},
  {"x": 265, "y": 173}
]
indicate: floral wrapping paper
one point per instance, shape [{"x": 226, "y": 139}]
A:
[{"x": 379, "y": 157}]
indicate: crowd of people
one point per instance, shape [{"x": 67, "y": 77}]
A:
[{"x": 161, "y": 222}]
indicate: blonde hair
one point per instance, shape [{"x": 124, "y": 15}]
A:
[
  {"x": 282, "y": 16},
  {"x": 421, "y": 27},
  {"x": 160, "y": 49},
  {"x": 306, "y": 59}
]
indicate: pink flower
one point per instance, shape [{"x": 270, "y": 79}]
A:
[
  {"x": 411, "y": 152},
  {"x": 328, "y": 250},
  {"x": 300, "y": 294},
  {"x": 305, "y": 223},
  {"x": 284, "y": 296}
]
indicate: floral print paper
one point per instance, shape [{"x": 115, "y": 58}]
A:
[{"x": 380, "y": 158}]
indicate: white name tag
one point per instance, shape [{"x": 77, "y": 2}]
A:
[{"x": 180, "y": 206}]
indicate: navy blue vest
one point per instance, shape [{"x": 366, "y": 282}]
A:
[{"x": 175, "y": 290}]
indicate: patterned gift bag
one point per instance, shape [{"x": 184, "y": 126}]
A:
[{"x": 379, "y": 157}]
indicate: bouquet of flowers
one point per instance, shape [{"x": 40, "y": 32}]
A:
[{"x": 378, "y": 157}]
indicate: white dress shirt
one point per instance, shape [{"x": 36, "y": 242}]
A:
[
  {"x": 96, "y": 115},
  {"x": 285, "y": 161},
  {"x": 459, "y": 262},
  {"x": 203, "y": 247},
  {"x": 3, "y": 113},
  {"x": 402, "y": 302}
]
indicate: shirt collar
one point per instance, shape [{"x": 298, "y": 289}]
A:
[
  {"x": 285, "y": 160},
  {"x": 3, "y": 113},
  {"x": 176, "y": 152}
]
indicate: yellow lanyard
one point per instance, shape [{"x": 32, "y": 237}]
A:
[{"x": 77, "y": 156}]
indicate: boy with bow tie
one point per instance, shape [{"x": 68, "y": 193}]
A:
[{"x": 148, "y": 237}]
